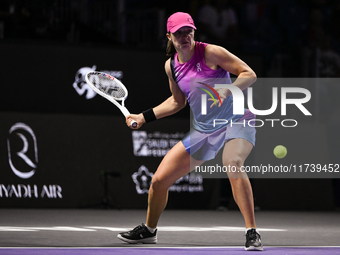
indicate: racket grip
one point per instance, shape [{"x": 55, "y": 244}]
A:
[{"x": 133, "y": 124}]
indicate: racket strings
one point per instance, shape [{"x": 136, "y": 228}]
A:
[{"x": 108, "y": 86}]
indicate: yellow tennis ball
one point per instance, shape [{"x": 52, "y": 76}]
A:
[{"x": 280, "y": 151}]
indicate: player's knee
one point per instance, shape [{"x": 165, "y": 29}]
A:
[
  {"x": 233, "y": 162},
  {"x": 158, "y": 184},
  {"x": 233, "y": 166}
]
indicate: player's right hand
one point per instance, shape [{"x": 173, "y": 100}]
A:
[{"x": 139, "y": 118}]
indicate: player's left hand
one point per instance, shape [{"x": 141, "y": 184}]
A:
[{"x": 223, "y": 93}]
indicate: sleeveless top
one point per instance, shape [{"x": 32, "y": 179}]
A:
[{"x": 195, "y": 79}]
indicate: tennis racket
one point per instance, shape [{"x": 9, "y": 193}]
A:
[{"x": 110, "y": 88}]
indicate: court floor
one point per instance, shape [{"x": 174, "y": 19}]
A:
[{"x": 94, "y": 231}]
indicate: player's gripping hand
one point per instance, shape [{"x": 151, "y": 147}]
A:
[
  {"x": 223, "y": 93},
  {"x": 139, "y": 118}
]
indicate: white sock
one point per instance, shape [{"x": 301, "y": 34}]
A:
[
  {"x": 252, "y": 228},
  {"x": 152, "y": 230}
]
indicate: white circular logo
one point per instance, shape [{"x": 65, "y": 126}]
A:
[{"x": 23, "y": 152}]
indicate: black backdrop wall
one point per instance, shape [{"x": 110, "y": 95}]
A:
[{"x": 40, "y": 77}]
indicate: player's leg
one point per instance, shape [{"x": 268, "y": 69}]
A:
[
  {"x": 175, "y": 164},
  {"x": 234, "y": 155}
]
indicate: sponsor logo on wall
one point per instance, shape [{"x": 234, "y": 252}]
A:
[
  {"x": 142, "y": 178},
  {"x": 25, "y": 134},
  {"x": 189, "y": 183},
  {"x": 155, "y": 144},
  {"x": 22, "y": 146},
  {"x": 80, "y": 85}
]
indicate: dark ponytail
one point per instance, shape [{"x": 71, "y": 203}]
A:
[{"x": 170, "y": 49}]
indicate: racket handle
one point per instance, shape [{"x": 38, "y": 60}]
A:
[{"x": 133, "y": 124}]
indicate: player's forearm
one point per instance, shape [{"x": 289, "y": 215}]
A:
[
  {"x": 245, "y": 79},
  {"x": 168, "y": 107}
]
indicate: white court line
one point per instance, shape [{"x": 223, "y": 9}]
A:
[
  {"x": 54, "y": 228},
  {"x": 190, "y": 229},
  {"x": 115, "y": 229}
]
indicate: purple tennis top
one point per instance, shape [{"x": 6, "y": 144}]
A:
[{"x": 193, "y": 77}]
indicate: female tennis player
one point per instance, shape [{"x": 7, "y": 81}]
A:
[{"x": 191, "y": 59}]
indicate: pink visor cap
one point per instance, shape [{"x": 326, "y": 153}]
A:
[{"x": 178, "y": 20}]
